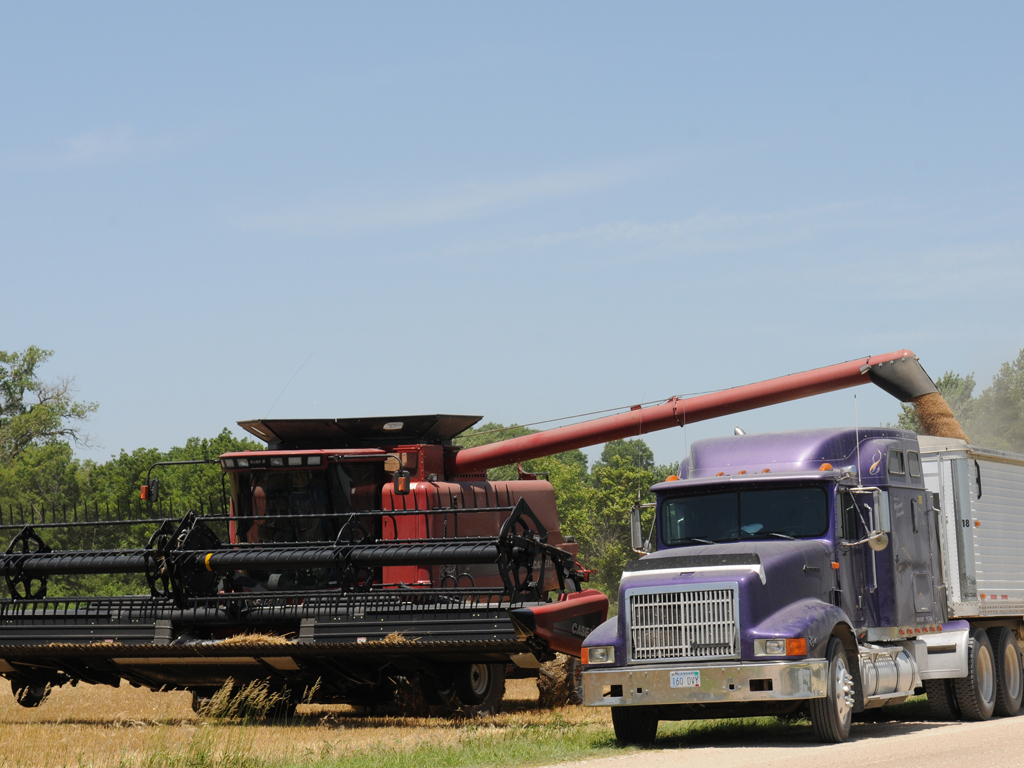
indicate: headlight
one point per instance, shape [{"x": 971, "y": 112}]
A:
[
  {"x": 599, "y": 654},
  {"x": 228, "y": 463},
  {"x": 781, "y": 646},
  {"x": 243, "y": 463}
]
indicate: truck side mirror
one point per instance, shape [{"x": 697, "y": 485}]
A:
[
  {"x": 636, "y": 531},
  {"x": 401, "y": 483}
]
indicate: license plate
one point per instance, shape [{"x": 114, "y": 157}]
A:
[{"x": 684, "y": 679}]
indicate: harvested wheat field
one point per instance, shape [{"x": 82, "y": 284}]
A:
[{"x": 102, "y": 726}]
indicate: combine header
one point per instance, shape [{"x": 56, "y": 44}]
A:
[{"x": 356, "y": 553}]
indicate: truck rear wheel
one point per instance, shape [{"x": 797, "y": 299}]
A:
[
  {"x": 635, "y": 725},
  {"x": 832, "y": 715},
  {"x": 976, "y": 693},
  {"x": 1009, "y": 675}
]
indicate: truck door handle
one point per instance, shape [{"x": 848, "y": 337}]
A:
[{"x": 977, "y": 467}]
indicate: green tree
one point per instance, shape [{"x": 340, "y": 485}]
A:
[
  {"x": 33, "y": 412},
  {"x": 998, "y": 417},
  {"x": 621, "y": 477}
]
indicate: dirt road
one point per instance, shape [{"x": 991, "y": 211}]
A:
[{"x": 998, "y": 743}]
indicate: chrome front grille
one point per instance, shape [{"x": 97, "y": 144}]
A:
[{"x": 690, "y": 624}]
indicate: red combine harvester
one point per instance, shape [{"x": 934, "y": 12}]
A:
[{"x": 357, "y": 553}]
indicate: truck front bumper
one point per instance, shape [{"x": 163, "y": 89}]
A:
[{"x": 768, "y": 681}]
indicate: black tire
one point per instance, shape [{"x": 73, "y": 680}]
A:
[
  {"x": 1009, "y": 672},
  {"x": 29, "y": 695},
  {"x": 437, "y": 694},
  {"x": 941, "y": 701},
  {"x": 976, "y": 693},
  {"x": 480, "y": 688},
  {"x": 832, "y": 715},
  {"x": 635, "y": 725},
  {"x": 560, "y": 682}
]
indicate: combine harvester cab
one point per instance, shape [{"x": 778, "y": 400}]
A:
[{"x": 347, "y": 563}]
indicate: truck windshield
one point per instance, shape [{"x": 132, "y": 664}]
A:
[{"x": 715, "y": 516}]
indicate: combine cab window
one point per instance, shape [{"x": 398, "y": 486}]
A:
[
  {"x": 782, "y": 513},
  {"x": 289, "y": 506},
  {"x": 306, "y": 505}
]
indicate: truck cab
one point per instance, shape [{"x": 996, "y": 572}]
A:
[{"x": 787, "y": 570}]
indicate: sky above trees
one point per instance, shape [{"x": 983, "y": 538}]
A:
[{"x": 521, "y": 212}]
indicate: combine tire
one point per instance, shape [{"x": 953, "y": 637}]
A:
[
  {"x": 1009, "y": 674},
  {"x": 635, "y": 725},
  {"x": 941, "y": 701},
  {"x": 976, "y": 693},
  {"x": 437, "y": 694},
  {"x": 560, "y": 682},
  {"x": 832, "y": 715},
  {"x": 480, "y": 688},
  {"x": 29, "y": 695}
]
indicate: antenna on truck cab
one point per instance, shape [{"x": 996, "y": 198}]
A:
[{"x": 856, "y": 431}]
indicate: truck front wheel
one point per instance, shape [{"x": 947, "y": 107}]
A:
[
  {"x": 832, "y": 715},
  {"x": 976, "y": 693},
  {"x": 635, "y": 725},
  {"x": 1009, "y": 679}
]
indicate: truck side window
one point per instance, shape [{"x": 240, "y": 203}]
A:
[
  {"x": 914, "y": 462},
  {"x": 847, "y": 517},
  {"x": 896, "y": 463}
]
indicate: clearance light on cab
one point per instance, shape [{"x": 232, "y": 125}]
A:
[
  {"x": 599, "y": 654},
  {"x": 781, "y": 646}
]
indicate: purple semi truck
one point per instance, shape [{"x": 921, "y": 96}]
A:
[{"x": 832, "y": 570}]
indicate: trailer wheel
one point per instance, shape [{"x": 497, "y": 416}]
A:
[
  {"x": 635, "y": 725},
  {"x": 832, "y": 715},
  {"x": 1009, "y": 674},
  {"x": 29, "y": 695},
  {"x": 941, "y": 701},
  {"x": 976, "y": 693},
  {"x": 480, "y": 687}
]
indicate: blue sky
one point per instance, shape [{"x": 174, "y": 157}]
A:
[{"x": 523, "y": 211}]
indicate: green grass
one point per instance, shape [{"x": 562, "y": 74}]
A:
[{"x": 476, "y": 745}]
